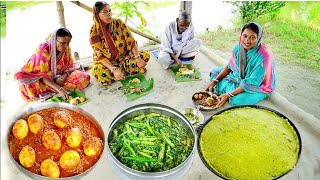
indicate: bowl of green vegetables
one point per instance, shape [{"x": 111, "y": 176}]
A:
[{"x": 151, "y": 141}]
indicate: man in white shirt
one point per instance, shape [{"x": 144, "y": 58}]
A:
[{"x": 178, "y": 41}]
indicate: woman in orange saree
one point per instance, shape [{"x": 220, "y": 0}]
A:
[
  {"x": 51, "y": 69},
  {"x": 116, "y": 54}
]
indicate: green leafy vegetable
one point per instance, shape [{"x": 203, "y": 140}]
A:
[{"x": 151, "y": 143}]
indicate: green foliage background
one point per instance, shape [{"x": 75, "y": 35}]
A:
[
  {"x": 129, "y": 11},
  {"x": 250, "y": 10},
  {"x": 293, "y": 40},
  {"x": 3, "y": 18}
]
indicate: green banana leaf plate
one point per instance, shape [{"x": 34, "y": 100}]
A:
[
  {"x": 76, "y": 93},
  {"x": 130, "y": 84},
  {"x": 196, "y": 76}
]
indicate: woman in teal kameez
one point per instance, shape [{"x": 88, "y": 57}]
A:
[{"x": 249, "y": 76}]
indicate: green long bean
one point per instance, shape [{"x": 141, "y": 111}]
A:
[
  {"x": 128, "y": 146},
  {"x": 167, "y": 139},
  {"x": 151, "y": 143},
  {"x": 144, "y": 154},
  {"x": 140, "y": 159}
]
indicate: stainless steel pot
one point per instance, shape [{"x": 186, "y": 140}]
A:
[
  {"x": 31, "y": 109},
  {"x": 201, "y": 127},
  {"x": 128, "y": 173}
]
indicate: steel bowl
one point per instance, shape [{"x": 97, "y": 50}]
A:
[
  {"x": 31, "y": 109},
  {"x": 193, "y": 111},
  {"x": 127, "y": 173},
  {"x": 201, "y": 127}
]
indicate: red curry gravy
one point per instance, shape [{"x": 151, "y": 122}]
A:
[{"x": 86, "y": 127}]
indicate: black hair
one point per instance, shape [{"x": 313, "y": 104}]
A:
[
  {"x": 185, "y": 15},
  {"x": 99, "y": 5},
  {"x": 63, "y": 32},
  {"x": 251, "y": 26}
]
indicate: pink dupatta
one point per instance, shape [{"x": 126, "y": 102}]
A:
[{"x": 45, "y": 63}]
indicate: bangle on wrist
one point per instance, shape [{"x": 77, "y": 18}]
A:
[
  {"x": 230, "y": 95},
  {"x": 57, "y": 76},
  {"x": 137, "y": 56},
  {"x": 113, "y": 69},
  {"x": 215, "y": 80},
  {"x": 60, "y": 88}
]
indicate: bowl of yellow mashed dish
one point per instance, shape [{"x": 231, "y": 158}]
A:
[{"x": 249, "y": 142}]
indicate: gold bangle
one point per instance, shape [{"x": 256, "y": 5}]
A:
[{"x": 216, "y": 80}]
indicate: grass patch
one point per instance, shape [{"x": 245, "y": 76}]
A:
[
  {"x": 3, "y": 19},
  {"x": 3, "y": 31},
  {"x": 223, "y": 40},
  {"x": 292, "y": 42}
]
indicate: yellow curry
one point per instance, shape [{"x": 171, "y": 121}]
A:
[{"x": 249, "y": 143}]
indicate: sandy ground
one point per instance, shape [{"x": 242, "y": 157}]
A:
[{"x": 107, "y": 102}]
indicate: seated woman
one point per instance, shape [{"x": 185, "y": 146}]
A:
[
  {"x": 249, "y": 76},
  {"x": 115, "y": 53},
  {"x": 50, "y": 69},
  {"x": 178, "y": 41}
]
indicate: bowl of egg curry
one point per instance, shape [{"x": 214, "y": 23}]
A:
[
  {"x": 249, "y": 142},
  {"x": 55, "y": 140}
]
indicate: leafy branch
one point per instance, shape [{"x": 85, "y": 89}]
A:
[{"x": 250, "y": 10}]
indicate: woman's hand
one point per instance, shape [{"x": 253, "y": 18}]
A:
[
  {"x": 179, "y": 62},
  {"x": 60, "y": 80},
  {"x": 63, "y": 93},
  {"x": 140, "y": 62},
  {"x": 223, "y": 99},
  {"x": 118, "y": 75},
  {"x": 211, "y": 86}
]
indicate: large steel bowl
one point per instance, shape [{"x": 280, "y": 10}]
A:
[
  {"x": 128, "y": 173},
  {"x": 31, "y": 109},
  {"x": 201, "y": 127}
]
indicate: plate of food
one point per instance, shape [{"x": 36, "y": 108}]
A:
[
  {"x": 206, "y": 100},
  {"x": 186, "y": 73},
  {"x": 136, "y": 86},
  {"x": 76, "y": 97}
]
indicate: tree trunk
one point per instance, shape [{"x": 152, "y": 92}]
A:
[
  {"x": 186, "y": 5},
  {"x": 60, "y": 10}
]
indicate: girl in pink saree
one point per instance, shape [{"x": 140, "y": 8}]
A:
[{"x": 51, "y": 69}]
